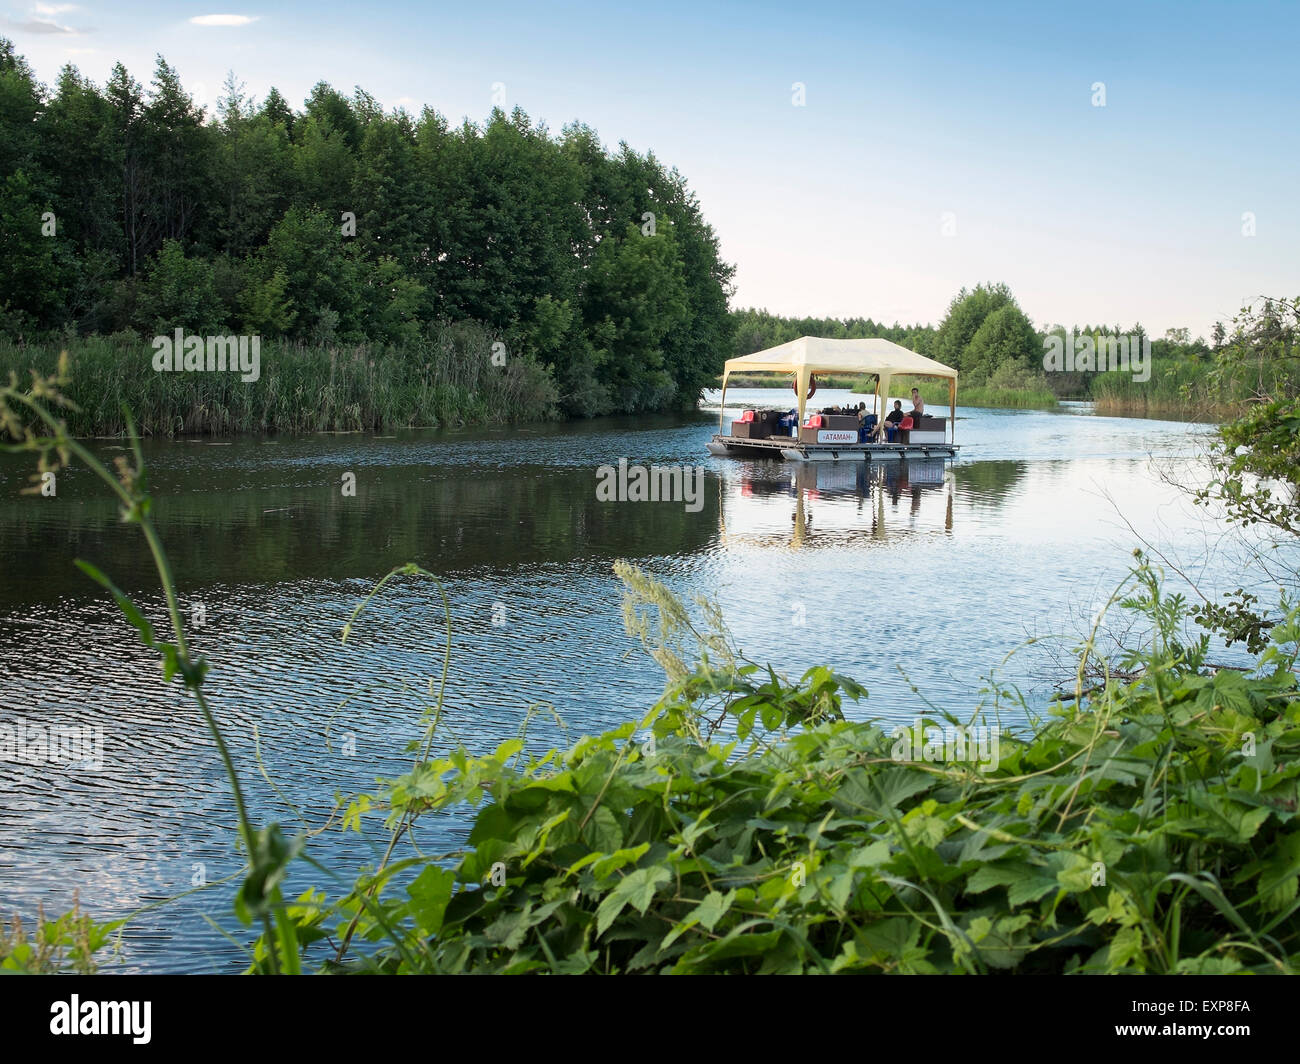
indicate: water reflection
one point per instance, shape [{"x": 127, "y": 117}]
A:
[
  {"x": 991, "y": 481},
  {"x": 835, "y": 503}
]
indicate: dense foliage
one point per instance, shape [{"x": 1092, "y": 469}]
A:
[
  {"x": 999, "y": 353},
  {"x": 123, "y": 208},
  {"x": 1256, "y": 460},
  {"x": 756, "y": 330}
]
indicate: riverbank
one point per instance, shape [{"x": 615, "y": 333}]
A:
[{"x": 448, "y": 380}]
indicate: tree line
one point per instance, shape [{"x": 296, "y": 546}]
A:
[
  {"x": 131, "y": 208},
  {"x": 985, "y": 335}
]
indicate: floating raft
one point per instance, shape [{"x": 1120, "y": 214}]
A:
[
  {"x": 836, "y": 440},
  {"x": 793, "y": 450}
]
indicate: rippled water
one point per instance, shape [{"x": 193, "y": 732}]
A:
[{"x": 923, "y": 577}]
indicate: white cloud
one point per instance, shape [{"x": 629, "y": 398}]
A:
[
  {"x": 223, "y": 20},
  {"x": 41, "y": 19},
  {"x": 38, "y": 25}
]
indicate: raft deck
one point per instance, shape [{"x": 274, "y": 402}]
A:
[{"x": 793, "y": 450}]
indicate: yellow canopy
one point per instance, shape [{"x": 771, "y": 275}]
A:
[{"x": 812, "y": 354}]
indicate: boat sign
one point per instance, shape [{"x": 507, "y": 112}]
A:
[{"x": 836, "y": 436}]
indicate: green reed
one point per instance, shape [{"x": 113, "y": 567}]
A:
[{"x": 449, "y": 379}]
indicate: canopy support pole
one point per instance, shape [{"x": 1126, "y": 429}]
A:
[
  {"x": 952, "y": 408},
  {"x": 802, "y": 376},
  {"x": 722, "y": 403}
]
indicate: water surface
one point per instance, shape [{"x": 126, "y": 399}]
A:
[{"x": 917, "y": 580}]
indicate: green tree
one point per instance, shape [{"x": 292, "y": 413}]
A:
[
  {"x": 128, "y": 150},
  {"x": 178, "y": 292},
  {"x": 392, "y": 301},
  {"x": 323, "y": 166},
  {"x": 596, "y": 267},
  {"x": 84, "y": 174},
  {"x": 178, "y": 155},
  {"x": 321, "y": 277},
  {"x": 391, "y": 197},
  {"x": 254, "y": 173},
  {"x": 635, "y": 297},
  {"x": 1256, "y": 457},
  {"x": 30, "y": 279},
  {"x": 264, "y": 301},
  {"x": 20, "y": 104},
  {"x": 959, "y": 342},
  {"x": 331, "y": 110},
  {"x": 276, "y": 110},
  {"x": 1004, "y": 338}
]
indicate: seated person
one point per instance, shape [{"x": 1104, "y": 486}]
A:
[
  {"x": 867, "y": 425},
  {"x": 918, "y": 407},
  {"x": 894, "y": 417}
]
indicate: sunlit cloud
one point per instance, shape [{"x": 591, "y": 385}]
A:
[
  {"x": 223, "y": 20},
  {"x": 41, "y": 19},
  {"x": 38, "y": 26}
]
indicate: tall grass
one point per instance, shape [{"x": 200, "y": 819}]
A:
[
  {"x": 935, "y": 393},
  {"x": 1180, "y": 388},
  {"x": 448, "y": 379}
]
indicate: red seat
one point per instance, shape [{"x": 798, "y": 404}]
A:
[
  {"x": 748, "y": 415},
  {"x": 905, "y": 424},
  {"x": 814, "y": 422}
]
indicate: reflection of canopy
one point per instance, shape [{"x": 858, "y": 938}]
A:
[{"x": 810, "y": 354}]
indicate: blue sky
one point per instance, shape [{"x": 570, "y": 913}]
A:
[{"x": 979, "y": 118}]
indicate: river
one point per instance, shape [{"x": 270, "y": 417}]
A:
[{"x": 916, "y": 581}]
